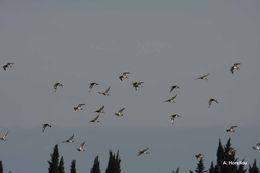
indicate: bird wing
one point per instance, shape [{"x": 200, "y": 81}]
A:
[
  {"x": 172, "y": 88},
  {"x": 232, "y": 69},
  {"x": 232, "y": 127},
  {"x": 126, "y": 73},
  {"x": 82, "y": 145},
  {"x": 121, "y": 110},
  {"x": 82, "y": 104},
  {"x": 95, "y": 118},
  {"x": 71, "y": 137},
  {"x": 174, "y": 97},
  {"x": 91, "y": 85},
  {"x": 43, "y": 127},
  {"x": 102, "y": 107},
  {"x": 107, "y": 90},
  {"x": 4, "y": 67}
]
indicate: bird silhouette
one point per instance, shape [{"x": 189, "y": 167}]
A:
[
  {"x": 137, "y": 85},
  {"x": 69, "y": 140},
  {"x": 171, "y": 100},
  {"x": 234, "y": 67},
  {"x": 203, "y": 77},
  {"x": 4, "y": 136},
  {"x": 81, "y": 147},
  {"x": 95, "y": 119},
  {"x": 44, "y": 126},
  {"x": 143, "y": 151},
  {"x": 212, "y": 100},
  {"x": 256, "y": 147},
  {"x": 124, "y": 76},
  {"x": 231, "y": 129},
  {"x": 91, "y": 85},
  {"x": 173, "y": 116},
  {"x": 79, "y": 107},
  {"x": 56, "y": 85},
  {"x": 105, "y": 93},
  {"x": 120, "y": 112},
  {"x": 174, "y": 87},
  {"x": 8, "y": 65},
  {"x": 100, "y": 110}
]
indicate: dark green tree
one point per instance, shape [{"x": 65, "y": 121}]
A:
[
  {"x": 212, "y": 168},
  {"x": 254, "y": 168},
  {"x": 220, "y": 158},
  {"x": 95, "y": 168},
  {"x": 73, "y": 167},
  {"x": 177, "y": 170},
  {"x": 229, "y": 157},
  {"x": 200, "y": 166},
  {"x": 1, "y": 167},
  {"x": 113, "y": 163},
  {"x": 241, "y": 168},
  {"x": 54, "y": 162},
  {"x": 61, "y": 166}
]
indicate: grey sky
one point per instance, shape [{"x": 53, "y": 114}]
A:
[{"x": 171, "y": 42}]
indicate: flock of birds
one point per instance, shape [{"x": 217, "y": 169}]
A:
[{"x": 120, "y": 113}]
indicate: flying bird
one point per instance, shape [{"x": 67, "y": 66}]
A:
[
  {"x": 120, "y": 112},
  {"x": 100, "y": 110},
  {"x": 95, "y": 119},
  {"x": 212, "y": 100},
  {"x": 91, "y": 85},
  {"x": 199, "y": 156},
  {"x": 231, "y": 129},
  {"x": 105, "y": 93},
  {"x": 56, "y": 85},
  {"x": 204, "y": 77},
  {"x": 70, "y": 140},
  {"x": 143, "y": 151},
  {"x": 234, "y": 67},
  {"x": 174, "y": 87},
  {"x": 4, "y": 137},
  {"x": 171, "y": 100},
  {"x": 81, "y": 147},
  {"x": 79, "y": 107},
  {"x": 137, "y": 85},
  {"x": 256, "y": 147},
  {"x": 173, "y": 117},
  {"x": 8, "y": 65},
  {"x": 44, "y": 126},
  {"x": 124, "y": 76}
]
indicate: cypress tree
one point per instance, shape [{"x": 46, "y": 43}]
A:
[
  {"x": 95, "y": 168},
  {"x": 61, "y": 166},
  {"x": 241, "y": 168},
  {"x": 212, "y": 168},
  {"x": 73, "y": 167},
  {"x": 200, "y": 166},
  {"x": 254, "y": 168},
  {"x": 54, "y": 162},
  {"x": 229, "y": 156},
  {"x": 113, "y": 163},
  {"x": 220, "y": 158},
  {"x": 177, "y": 170},
  {"x": 1, "y": 167}
]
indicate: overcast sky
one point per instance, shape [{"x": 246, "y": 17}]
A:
[{"x": 161, "y": 43}]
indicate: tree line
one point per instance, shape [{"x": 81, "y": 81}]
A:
[{"x": 226, "y": 162}]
